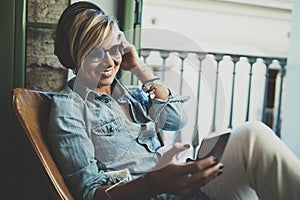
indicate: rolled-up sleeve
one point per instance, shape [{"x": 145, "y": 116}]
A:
[
  {"x": 169, "y": 114},
  {"x": 72, "y": 149}
]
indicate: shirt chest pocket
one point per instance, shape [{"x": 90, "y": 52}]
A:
[{"x": 107, "y": 129}]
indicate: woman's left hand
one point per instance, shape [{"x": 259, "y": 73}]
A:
[{"x": 130, "y": 58}]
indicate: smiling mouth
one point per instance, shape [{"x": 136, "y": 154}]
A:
[{"x": 106, "y": 72}]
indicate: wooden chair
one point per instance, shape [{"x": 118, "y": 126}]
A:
[{"x": 32, "y": 110}]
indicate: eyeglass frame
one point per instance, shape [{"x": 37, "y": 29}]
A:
[{"x": 115, "y": 52}]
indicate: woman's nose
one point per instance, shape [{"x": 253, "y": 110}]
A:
[{"x": 108, "y": 59}]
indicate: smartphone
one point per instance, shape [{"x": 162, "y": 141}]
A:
[{"x": 213, "y": 146}]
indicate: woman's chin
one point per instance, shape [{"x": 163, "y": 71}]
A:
[{"x": 106, "y": 80}]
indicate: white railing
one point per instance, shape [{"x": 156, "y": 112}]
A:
[{"x": 227, "y": 88}]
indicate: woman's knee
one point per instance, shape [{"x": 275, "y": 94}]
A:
[
  {"x": 254, "y": 129},
  {"x": 255, "y": 136}
]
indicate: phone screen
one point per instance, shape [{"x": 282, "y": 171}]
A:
[{"x": 213, "y": 146}]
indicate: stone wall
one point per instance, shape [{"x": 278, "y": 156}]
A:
[
  {"x": 45, "y": 10},
  {"x": 43, "y": 69}
]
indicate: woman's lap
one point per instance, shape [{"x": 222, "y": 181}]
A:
[{"x": 250, "y": 166}]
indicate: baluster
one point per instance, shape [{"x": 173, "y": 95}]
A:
[
  {"x": 218, "y": 58},
  {"x": 133, "y": 79},
  {"x": 251, "y": 61},
  {"x": 164, "y": 55},
  {"x": 182, "y": 56},
  {"x": 195, "y": 140},
  {"x": 277, "y": 122},
  {"x": 234, "y": 59},
  {"x": 145, "y": 54},
  {"x": 267, "y": 63}
]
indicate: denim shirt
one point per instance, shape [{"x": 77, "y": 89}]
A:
[{"x": 89, "y": 134}]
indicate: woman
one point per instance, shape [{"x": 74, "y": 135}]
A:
[{"x": 105, "y": 137}]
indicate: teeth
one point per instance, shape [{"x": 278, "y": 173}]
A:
[{"x": 107, "y": 72}]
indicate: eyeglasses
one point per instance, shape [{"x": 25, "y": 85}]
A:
[{"x": 98, "y": 53}]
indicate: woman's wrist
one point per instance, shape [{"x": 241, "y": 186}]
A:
[
  {"x": 143, "y": 72},
  {"x": 145, "y": 75},
  {"x": 135, "y": 189}
]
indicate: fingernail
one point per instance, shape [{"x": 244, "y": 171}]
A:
[
  {"x": 221, "y": 166},
  {"x": 187, "y": 146},
  {"x": 219, "y": 173}
]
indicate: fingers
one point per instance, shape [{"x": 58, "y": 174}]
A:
[
  {"x": 201, "y": 178},
  {"x": 183, "y": 179},
  {"x": 208, "y": 169},
  {"x": 169, "y": 155},
  {"x": 130, "y": 57},
  {"x": 127, "y": 46},
  {"x": 198, "y": 165}
]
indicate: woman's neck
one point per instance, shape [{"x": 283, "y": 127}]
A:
[
  {"x": 104, "y": 90},
  {"x": 97, "y": 88}
]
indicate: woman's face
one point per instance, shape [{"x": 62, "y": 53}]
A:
[{"x": 102, "y": 63}]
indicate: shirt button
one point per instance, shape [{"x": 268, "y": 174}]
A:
[
  {"x": 111, "y": 129},
  {"x": 106, "y": 101}
]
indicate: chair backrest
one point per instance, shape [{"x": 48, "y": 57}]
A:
[{"x": 32, "y": 108}]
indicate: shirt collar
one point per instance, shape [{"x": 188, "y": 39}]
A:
[{"x": 118, "y": 89}]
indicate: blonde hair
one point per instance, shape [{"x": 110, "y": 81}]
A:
[{"x": 81, "y": 27}]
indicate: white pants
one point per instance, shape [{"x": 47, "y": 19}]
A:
[{"x": 257, "y": 165}]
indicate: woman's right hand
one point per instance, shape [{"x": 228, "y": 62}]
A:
[
  {"x": 130, "y": 58},
  {"x": 183, "y": 179}
]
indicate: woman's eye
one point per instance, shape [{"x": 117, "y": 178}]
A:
[
  {"x": 114, "y": 50},
  {"x": 97, "y": 54}
]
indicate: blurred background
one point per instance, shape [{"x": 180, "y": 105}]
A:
[{"x": 238, "y": 60}]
